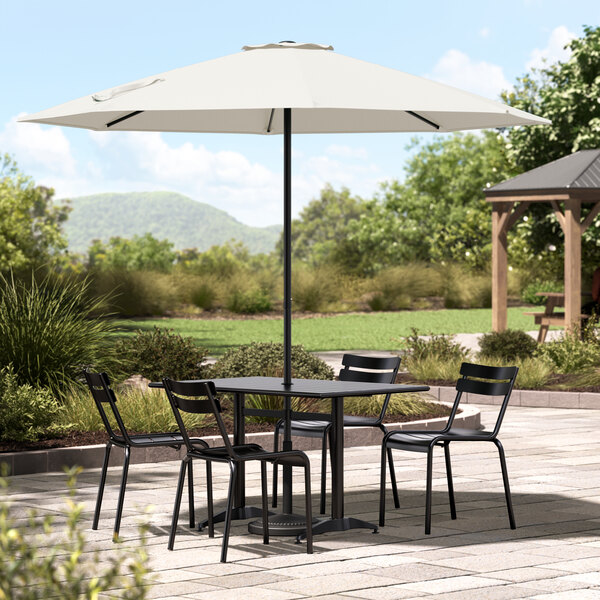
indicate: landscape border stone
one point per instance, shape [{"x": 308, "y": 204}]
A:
[{"x": 91, "y": 457}]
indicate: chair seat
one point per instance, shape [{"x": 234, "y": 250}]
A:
[
  {"x": 157, "y": 439},
  {"x": 419, "y": 442},
  {"x": 252, "y": 452}
]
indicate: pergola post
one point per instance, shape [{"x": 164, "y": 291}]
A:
[
  {"x": 572, "y": 227},
  {"x": 499, "y": 265}
]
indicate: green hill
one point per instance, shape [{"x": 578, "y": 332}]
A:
[{"x": 166, "y": 215}]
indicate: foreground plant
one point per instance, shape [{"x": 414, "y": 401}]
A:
[
  {"x": 50, "y": 329},
  {"x": 37, "y": 562}
]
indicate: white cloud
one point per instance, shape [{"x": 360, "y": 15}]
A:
[
  {"x": 347, "y": 151},
  {"x": 554, "y": 51},
  {"x": 484, "y": 32},
  {"x": 457, "y": 69},
  {"x": 38, "y": 147}
]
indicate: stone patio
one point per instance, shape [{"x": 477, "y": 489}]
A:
[{"x": 554, "y": 465}]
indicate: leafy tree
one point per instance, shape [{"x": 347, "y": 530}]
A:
[
  {"x": 439, "y": 213},
  {"x": 323, "y": 225},
  {"x": 30, "y": 224},
  {"x": 140, "y": 253},
  {"x": 566, "y": 93}
]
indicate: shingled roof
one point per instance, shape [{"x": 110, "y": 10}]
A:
[{"x": 578, "y": 171}]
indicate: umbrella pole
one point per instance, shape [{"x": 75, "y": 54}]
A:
[{"x": 287, "y": 246}]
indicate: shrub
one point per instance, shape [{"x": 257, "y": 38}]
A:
[
  {"x": 27, "y": 414},
  {"x": 434, "y": 368},
  {"x": 396, "y": 288},
  {"x": 135, "y": 293},
  {"x": 49, "y": 332},
  {"x": 32, "y": 567},
  {"x": 249, "y": 302},
  {"x": 266, "y": 359},
  {"x": 313, "y": 290},
  {"x": 529, "y": 292},
  {"x": 203, "y": 296},
  {"x": 441, "y": 346},
  {"x": 534, "y": 373},
  {"x": 161, "y": 353},
  {"x": 570, "y": 353},
  {"x": 400, "y": 404},
  {"x": 463, "y": 289},
  {"x": 509, "y": 344}
]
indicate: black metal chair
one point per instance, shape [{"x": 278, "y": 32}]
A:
[
  {"x": 500, "y": 381},
  {"x": 185, "y": 396},
  {"x": 103, "y": 394},
  {"x": 381, "y": 370}
]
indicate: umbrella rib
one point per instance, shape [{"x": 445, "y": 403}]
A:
[
  {"x": 123, "y": 118},
  {"x": 418, "y": 116},
  {"x": 270, "y": 120}
]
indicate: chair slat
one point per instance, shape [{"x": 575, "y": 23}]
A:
[
  {"x": 487, "y": 372},
  {"x": 484, "y": 388},
  {"x": 366, "y": 376},
  {"x": 195, "y": 406},
  {"x": 192, "y": 388},
  {"x": 371, "y": 362}
]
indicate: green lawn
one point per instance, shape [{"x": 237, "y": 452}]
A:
[{"x": 373, "y": 331}]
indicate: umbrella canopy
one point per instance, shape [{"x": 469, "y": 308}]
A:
[
  {"x": 258, "y": 89},
  {"x": 247, "y": 92}
]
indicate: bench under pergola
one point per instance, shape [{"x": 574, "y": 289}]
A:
[{"x": 566, "y": 184}]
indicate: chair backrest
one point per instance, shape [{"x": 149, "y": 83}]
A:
[
  {"x": 487, "y": 381},
  {"x": 197, "y": 397},
  {"x": 103, "y": 395},
  {"x": 380, "y": 370}
]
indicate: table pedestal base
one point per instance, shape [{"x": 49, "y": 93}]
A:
[
  {"x": 237, "y": 514},
  {"x": 282, "y": 524},
  {"x": 343, "y": 524}
]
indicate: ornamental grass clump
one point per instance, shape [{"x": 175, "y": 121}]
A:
[{"x": 50, "y": 330}]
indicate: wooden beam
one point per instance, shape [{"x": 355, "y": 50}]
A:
[
  {"x": 590, "y": 216},
  {"x": 572, "y": 229},
  {"x": 517, "y": 213},
  {"x": 559, "y": 215},
  {"x": 500, "y": 212}
]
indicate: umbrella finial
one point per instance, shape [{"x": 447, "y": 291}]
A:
[{"x": 289, "y": 44}]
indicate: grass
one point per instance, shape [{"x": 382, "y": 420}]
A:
[{"x": 372, "y": 331}]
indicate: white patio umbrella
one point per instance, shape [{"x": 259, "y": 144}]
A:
[{"x": 259, "y": 89}]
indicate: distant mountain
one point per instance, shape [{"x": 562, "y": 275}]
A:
[{"x": 166, "y": 215}]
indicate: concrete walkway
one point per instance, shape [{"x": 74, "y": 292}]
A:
[{"x": 554, "y": 465}]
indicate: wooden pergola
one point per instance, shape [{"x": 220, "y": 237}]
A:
[{"x": 566, "y": 184}]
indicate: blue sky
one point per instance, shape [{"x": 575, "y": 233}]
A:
[{"x": 53, "y": 52}]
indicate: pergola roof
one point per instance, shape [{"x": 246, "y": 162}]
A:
[{"x": 578, "y": 171}]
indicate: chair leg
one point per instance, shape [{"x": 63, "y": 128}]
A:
[
  {"x": 209, "y": 500},
  {"x": 382, "y": 485},
  {"x": 101, "y": 487},
  {"x": 191, "y": 493},
  {"x": 449, "y": 478},
  {"x": 265, "y": 501},
  {"x": 177, "y": 505},
  {"x": 428, "y": 491},
  {"x": 122, "y": 493},
  {"x": 326, "y": 434},
  {"x": 509, "y": 506},
  {"x": 228, "y": 510},
  {"x": 308, "y": 503},
  {"x": 392, "y": 470},
  {"x": 275, "y": 469}
]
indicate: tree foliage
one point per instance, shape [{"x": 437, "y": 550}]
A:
[
  {"x": 566, "y": 93},
  {"x": 439, "y": 213},
  {"x": 140, "y": 253},
  {"x": 30, "y": 224}
]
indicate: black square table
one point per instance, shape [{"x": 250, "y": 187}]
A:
[{"x": 289, "y": 524}]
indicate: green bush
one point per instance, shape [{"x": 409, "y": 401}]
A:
[
  {"x": 266, "y": 359},
  {"x": 50, "y": 331},
  {"x": 34, "y": 565},
  {"x": 249, "y": 302},
  {"x": 509, "y": 344},
  {"x": 203, "y": 296},
  {"x": 395, "y": 288},
  {"x": 314, "y": 289},
  {"x": 161, "y": 353},
  {"x": 570, "y": 354},
  {"x": 529, "y": 292},
  {"x": 463, "y": 289},
  {"x": 439, "y": 346},
  {"x": 27, "y": 413},
  {"x": 135, "y": 293}
]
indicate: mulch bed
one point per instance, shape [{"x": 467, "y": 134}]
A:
[{"x": 87, "y": 438}]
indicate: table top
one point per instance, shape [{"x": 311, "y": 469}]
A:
[{"x": 308, "y": 388}]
